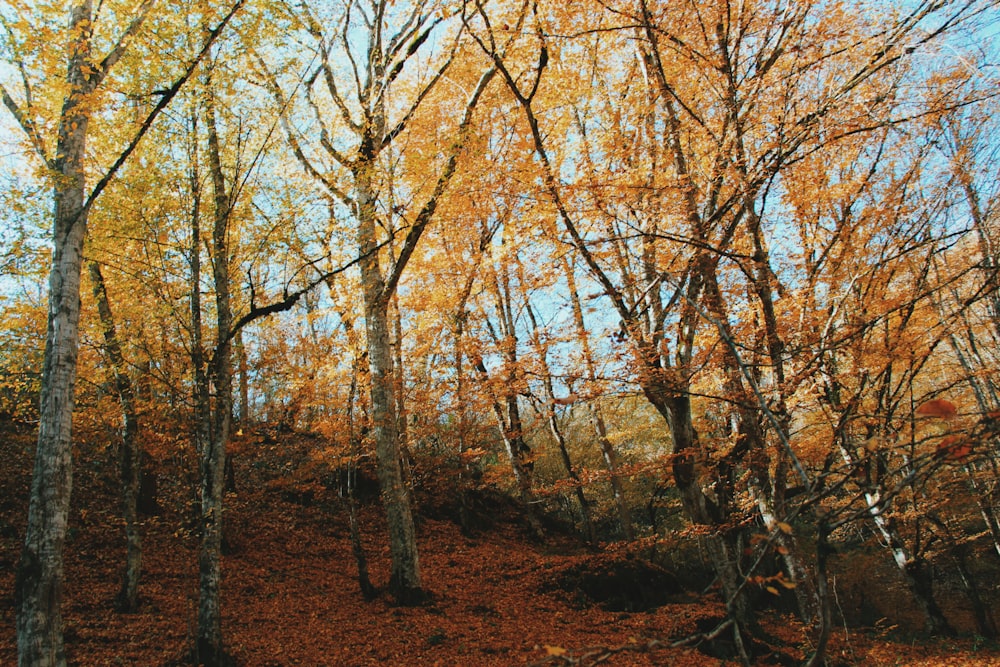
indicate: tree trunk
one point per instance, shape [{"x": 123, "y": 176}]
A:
[
  {"x": 383, "y": 63},
  {"x": 915, "y": 573},
  {"x": 130, "y": 467},
  {"x": 210, "y": 649},
  {"x": 512, "y": 431},
  {"x": 553, "y": 420},
  {"x": 39, "y": 584},
  {"x": 459, "y": 319},
  {"x": 823, "y": 551},
  {"x": 244, "y": 374},
  {"x": 608, "y": 452},
  {"x": 404, "y": 580},
  {"x": 581, "y": 498},
  {"x": 675, "y": 407},
  {"x": 357, "y": 547}
]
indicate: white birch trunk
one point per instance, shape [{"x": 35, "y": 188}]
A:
[{"x": 40, "y": 571}]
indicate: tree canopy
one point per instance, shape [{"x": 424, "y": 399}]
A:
[{"x": 735, "y": 257}]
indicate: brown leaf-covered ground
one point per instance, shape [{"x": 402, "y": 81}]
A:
[{"x": 291, "y": 593}]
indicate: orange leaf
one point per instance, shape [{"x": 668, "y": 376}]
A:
[
  {"x": 555, "y": 650},
  {"x": 953, "y": 448},
  {"x": 938, "y": 407},
  {"x": 569, "y": 400}
]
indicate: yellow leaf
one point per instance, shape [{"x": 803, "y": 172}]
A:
[
  {"x": 555, "y": 650},
  {"x": 785, "y": 528},
  {"x": 771, "y": 589}
]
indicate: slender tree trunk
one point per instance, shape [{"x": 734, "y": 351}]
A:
[
  {"x": 724, "y": 552},
  {"x": 399, "y": 390},
  {"x": 357, "y": 547},
  {"x": 244, "y": 375},
  {"x": 404, "y": 580},
  {"x": 772, "y": 504},
  {"x": 203, "y": 430},
  {"x": 985, "y": 624},
  {"x": 986, "y": 507},
  {"x": 914, "y": 569},
  {"x": 581, "y": 497},
  {"x": 823, "y": 551},
  {"x": 383, "y": 62},
  {"x": 508, "y": 418},
  {"x": 39, "y": 585},
  {"x": 210, "y": 648},
  {"x": 608, "y": 452},
  {"x": 506, "y": 407},
  {"x": 550, "y": 412},
  {"x": 987, "y": 244},
  {"x": 459, "y": 320},
  {"x": 130, "y": 467},
  {"x": 984, "y": 497},
  {"x": 519, "y": 453},
  {"x": 461, "y": 408}
]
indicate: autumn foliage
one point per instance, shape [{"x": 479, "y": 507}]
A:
[{"x": 402, "y": 332}]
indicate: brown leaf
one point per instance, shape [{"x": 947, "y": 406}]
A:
[{"x": 938, "y": 407}]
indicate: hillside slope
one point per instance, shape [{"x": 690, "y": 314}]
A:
[{"x": 291, "y": 594}]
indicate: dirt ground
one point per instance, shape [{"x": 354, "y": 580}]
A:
[{"x": 291, "y": 596}]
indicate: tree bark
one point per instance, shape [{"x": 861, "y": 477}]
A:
[
  {"x": 404, "y": 579},
  {"x": 912, "y": 567},
  {"x": 209, "y": 647},
  {"x": 39, "y": 585},
  {"x": 130, "y": 466},
  {"x": 368, "y": 590},
  {"x": 608, "y": 452},
  {"x": 506, "y": 406}
]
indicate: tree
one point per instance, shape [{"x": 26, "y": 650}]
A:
[
  {"x": 380, "y": 41},
  {"x": 130, "y": 459},
  {"x": 723, "y": 107},
  {"x": 40, "y": 571}
]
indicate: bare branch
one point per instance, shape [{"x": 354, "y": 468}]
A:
[
  {"x": 350, "y": 54},
  {"x": 425, "y": 91},
  {"x": 122, "y": 45},
  {"x": 27, "y": 124},
  {"x": 314, "y": 29},
  {"x": 410, "y": 27},
  {"x": 424, "y": 217},
  {"x": 165, "y": 99},
  {"x": 324, "y": 134},
  {"x": 290, "y": 134}
]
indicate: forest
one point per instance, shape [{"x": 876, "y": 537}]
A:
[{"x": 499, "y": 332}]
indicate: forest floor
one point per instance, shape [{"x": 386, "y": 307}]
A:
[{"x": 291, "y": 597}]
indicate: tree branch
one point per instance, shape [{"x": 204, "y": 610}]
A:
[
  {"x": 409, "y": 244},
  {"x": 120, "y": 47},
  {"x": 165, "y": 99}
]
